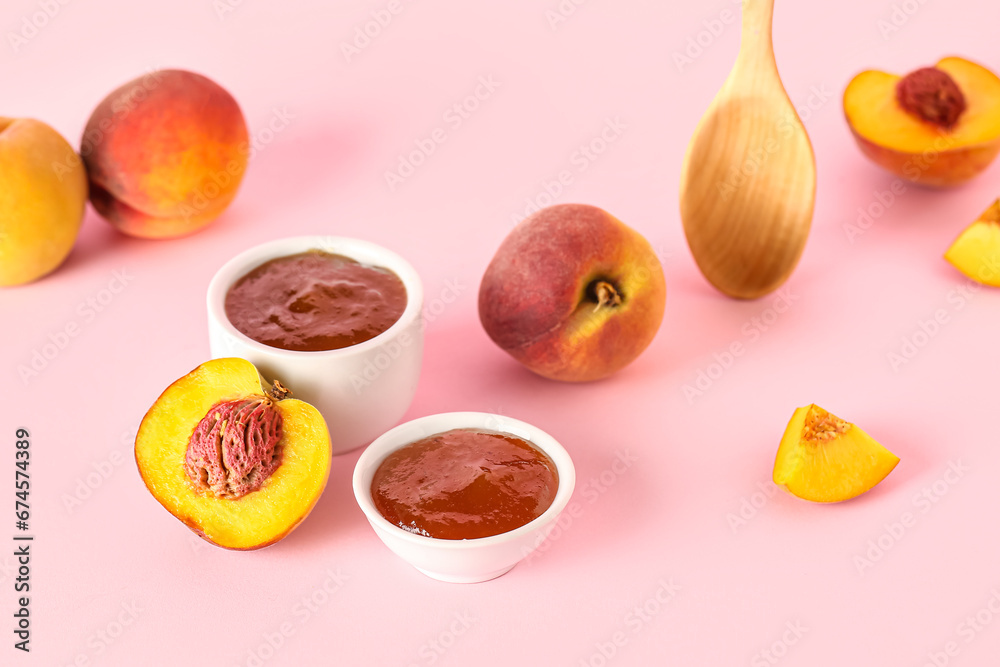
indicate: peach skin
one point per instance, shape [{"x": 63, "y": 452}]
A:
[
  {"x": 976, "y": 251},
  {"x": 573, "y": 293},
  {"x": 938, "y": 126},
  {"x": 165, "y": 154},
  {"x": 825, "y": 459},
  {"x": 41, "y": 207},
  {"x": 232, "y": 456}
]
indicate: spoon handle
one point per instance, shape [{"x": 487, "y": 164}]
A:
[{"x": 756, "y": 47}]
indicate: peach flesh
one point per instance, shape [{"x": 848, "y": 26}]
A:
[
  {"x": 891, "y": 130},
  {"x": 258, "y": 518}
]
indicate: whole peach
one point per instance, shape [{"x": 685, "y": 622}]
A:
[
  {"x": 573, "y": 293},
  {"x": 43, "y": 194},
  {"x": 165, "y": 154}
]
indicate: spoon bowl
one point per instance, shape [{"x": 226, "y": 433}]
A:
[{"x": 748, "y": 184}]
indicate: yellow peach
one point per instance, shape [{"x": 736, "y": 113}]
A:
[
  {"x": 976, "y": 252},
  {"x": 43, "y": 195},
  {"x": 826, "y": 459},
  {"x": 938, "y": 126},
  {"x": 232, "y": 456}
]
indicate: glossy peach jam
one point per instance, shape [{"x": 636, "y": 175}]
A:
[
  {"x": 315, "y": 301},
  {"x": 463, "y": 484}
]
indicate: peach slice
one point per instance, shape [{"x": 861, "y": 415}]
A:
[
  {"x": 826, "y": 459},
  {"x": 976, "y": 252},
  {"x": 232, "y": 457},
  {"x": 938, "y": 126}
]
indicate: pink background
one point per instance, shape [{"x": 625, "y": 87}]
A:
[{"x": 118, "y": 581}]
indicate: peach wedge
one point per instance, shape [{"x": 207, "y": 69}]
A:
[
  {"x": 937, "y": 126},
  {"x": 232, "y": 456},
  {"x": 825, "y": 459},
  {"x": 976, "y": 252}
]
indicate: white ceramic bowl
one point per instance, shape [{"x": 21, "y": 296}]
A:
[
  {"x": 361, "y": 390},
  {"x": 462, "y": 561}
]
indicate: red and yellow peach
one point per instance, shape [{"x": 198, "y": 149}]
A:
[
  {"x": 165, "y": 154},
  {"x": 573, "y": 293}
]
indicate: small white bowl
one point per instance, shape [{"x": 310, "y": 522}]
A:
[
  {"x": 360, "y": 390},
  {"x": 463, "y": 561}
]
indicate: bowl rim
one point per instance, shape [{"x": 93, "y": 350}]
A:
[
  {"x": 393, "y": 439},
  {"x": 365, "y": 252}
]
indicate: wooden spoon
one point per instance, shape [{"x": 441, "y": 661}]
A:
[{"x": 749, "y": 179}]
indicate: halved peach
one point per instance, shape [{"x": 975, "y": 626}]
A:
[
  {"x": 232, "y": 457},
  {"x": 919, "y": 128},
  {"x": 976, "y": 252},
  {"x": 826, "y": 459}
]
